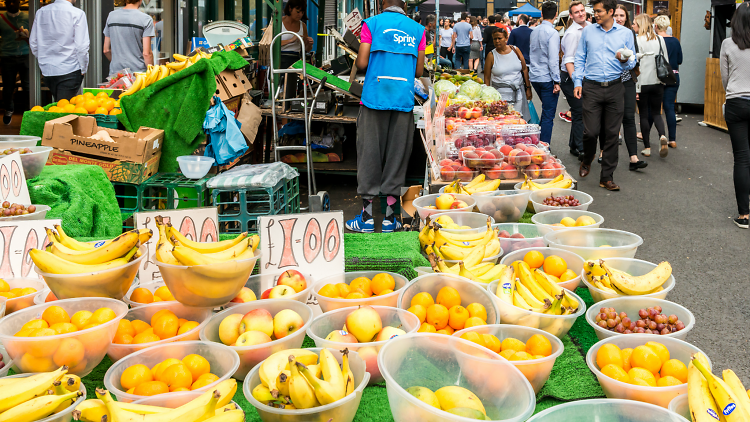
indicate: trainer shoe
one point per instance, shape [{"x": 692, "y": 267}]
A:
[
  {"x": 742, "y": 223},
  {"x": 358, "y": 225},
  {"x": 7, "y": 117},
  {"x": 390, "y": 226},
  {"x": 564, "y": 116}
]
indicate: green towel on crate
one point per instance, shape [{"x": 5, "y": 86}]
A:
[
  {"x": 178, "y": 105},
  {"x": 81, "y": 196}
]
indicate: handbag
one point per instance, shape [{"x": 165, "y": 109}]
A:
[{"x": 663, "y": 69}]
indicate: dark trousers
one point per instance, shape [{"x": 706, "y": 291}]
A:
[
  {"x": 446, "y": 52},
  {"x": 603, "y": 108},
  {"x": 670, "y": 96},
  {"x": 12, "y": 66},
  {"x": 549, "y": 107},
  {"x": 462, "y": 57},
  {"x": 649, "y": 106},
  {"x": 576, "y": 112},
  {"x": 384, "y": 142},
  {"x": 64, "y": 86},
  {"x": 737, "y": 116},
  {"x": 628, "y": 119}
]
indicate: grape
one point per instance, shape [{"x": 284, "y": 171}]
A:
[
  {"x": 643, "y": 313},
  {"x": 623, "y": 315},
  {"x": 665, "y": 331},
  {"x": 626, "y": 321},
  {"x": 680, "y": 326},
  {"x": 627, "y": 331},
  {"x": 619, "y": 328},
  {"x": 603, "y": 316},
  {"x": 657, "y": 308},
  {"x": 611, "y": 323},
  {"x": 652, "y": 325},
  {"x": 15, "y": 209},
  {"x": 18, "y": 150},
  {"x": 561, "y": 201},
  {"x": 602, "y": 324},
  {"x": 612, "y": 315},
  {"x": 652, "y": 313},
  {"x": 2, "y": 365},
  {"x": 660, "y": 327},
  {"x": 648, "y": 331},
  {"x": 640, "y": 323},
  {"x": 6, "y": 204},
  {"x": 639, "y": 330},
  {"x": 672, "y": 319}
]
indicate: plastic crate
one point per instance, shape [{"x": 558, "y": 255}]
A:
[
  {"x": 169, "y": 191},
  {"x": 128, "y": 199},
  {"x": 105, "y": 120},
  {"x": 239, "y": 209}
]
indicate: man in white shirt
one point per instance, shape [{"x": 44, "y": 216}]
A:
[
  {"x": 569, "y": 44},
  {"x": 60, "y": 41}
]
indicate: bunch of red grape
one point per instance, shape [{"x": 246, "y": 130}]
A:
[
  {"x": 651, "y": 321},
  {"x": 452, "y": 109},
  {"x": 18, "y": 150},
  {"x": 9, "y": 210},
  {"x": 561, "y": 201},
  {"x": 496, "y": 108}
]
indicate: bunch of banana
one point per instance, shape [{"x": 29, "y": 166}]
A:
[
  {"x": 435, "y": 237},
  {"x": 290, "y": 379},
  {"x": 477, "y": 185},
  {"x": 157, "y": 73},
  {"x": 711, "y": 398},
  {"x": 613, "y": 281},
  {"x": 558, "y": 182},
  {"x": 534, "y": 291},
  {"x": 65, "y": 255},
  {"x": 38, "y": 396},
  {"x": 183, "y": 62}
]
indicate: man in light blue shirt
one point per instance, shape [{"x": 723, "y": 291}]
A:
[
  {"x": 605, "y": 50},
  {"x": 461, "y": 32},
  {"x": 544, "y": 71}
]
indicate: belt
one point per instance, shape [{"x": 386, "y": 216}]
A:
[{"x": 605, "y": 84}]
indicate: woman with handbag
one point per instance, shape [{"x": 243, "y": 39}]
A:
[
  {"x": 674, "y": 53},
  {"x": 651, "y": 92},
  {"x": 505, "y": 70}
]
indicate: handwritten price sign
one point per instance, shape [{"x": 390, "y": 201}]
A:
[
  {"x": 18, "y": 238},
  {"x": 13, "y": 181}
]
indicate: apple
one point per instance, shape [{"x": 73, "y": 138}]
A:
[
  {"x": 341, "y": 336},
  {"x": 245, "y": 295},
  {"x": 229, "y": 328},
  {"x": 252, "y": 338},
  {"x": 458, "y": 205},
  {"x": 257, "y": 320},
  {"x": 281, "y": 291},
  {"x": 266, "y": 293},
  {"x": 388, "y": 333},
  {"x": 293, "y": 279},
  {"x": 444, "y": 201},
  {"x": 364, "y": 323},
  {"x": 369, "y": 354},
  {"x": 286, "y": 322}
]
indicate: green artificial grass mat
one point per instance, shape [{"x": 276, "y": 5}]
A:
[{"x": 320, "y": 74}]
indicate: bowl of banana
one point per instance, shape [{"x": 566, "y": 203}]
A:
[
  {"x": 470, "y": 253},
  {"x": 621, "y": 277},
  {"x": 34, "y": 405},
  {"x": 572, "y": 262}
]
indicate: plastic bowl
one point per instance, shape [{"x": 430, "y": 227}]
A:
[
  {"x": 223, "y": 362},
  {"x": 2, "y": 307},
  {"x": 606, "y": 410},
  {"x": 680, "y": 406},
  {"x": 207, "y": 285},
  {"x": 587, "y": 242},
  {"x": 548, "y": 218},
  {"x": 21, "y": 302},
  {"x": 493, "y": 259},
  {"x": 435, "y": 361},
  {"x": 67, "y": 414},
  {"x": 152, "y": 287},
  {"x": 424, "y": 270},
  {"x": 505, "y": 206},
  {"x": 261, "y": 282},
  {"x": 538, "y": 196},
  {"x": 195, "y": 166},
  {"x": 537, "y": 371},
  {"x": 340, "y": 411},
  {"x": 634, "y": 267},
  {"x": 7, "y": 361},
  {"x": 41, "y": 297},
  {"x": 476, "y": 221},
  {"x": 41, "y": 351},
  {"x": 329, "y": 304},
  {"x": 660, "y": 396},
  {"x": 113, "y": 283},
  {"x": 470, "y": 292},
  {"x": 322, "y": 325},
  {"x": 631, "y": 305},
  {"x": 557, "y": 325},
  {"x": 39, "y": 214},
  {"x": 574, "y": 262},
  {"x": 518, "y": 185},
  {"x": 172, "y": 401},
  {"x": 249, "y": 356},
  {"x": 533, "y": 236},
  {"x": 18, "y": 141},
  {"x": 427, "y": 200},
  {"x": 145, "y": 312},
  {"x": 34, "y": 162}
]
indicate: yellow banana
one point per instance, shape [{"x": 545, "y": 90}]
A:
[
  {"x": 14, "y": 394},
  {"x": 454, "y": 253},
  {"x": 163, "y": 247},
  {"x": 493, "y": 274},
  {"x": 179, "y": 57},
  {"x": 118, "y": 247},
  {"x": 702, "y": 404},
  {"x": 448, "y": 269},
  {"x": 492, "y": 248},
  {"x": 233, "y": 252},
  {"x": 736, "y": 387},
  {"x": 144, "y": 235},
  {"x": 569, "y": 301},
  {"x": 191, "y": 257},
  {"x": 529, "y": 297},
  {"x": 74, "y": 244},
  {"x": 347, "y": 372},
  {"x": 549, "y": 285},
  {"x": 523, "y": 272},
  {"x": 325, "y": 391},
  {"x": 463, "y": 272},
  {"x": 228, "y": 416},
  {"x": 519, "y": 302},
  {"x": 176, "y": 66},
  {"x": 556, "y": 307},
  {"x": 92, "y": 410},
  {"x": 460, "y": 239},
  {"x": 137, "y": 85},
  {"x": 53, "y": 264},
  {"x": 38, "y": 408},
  {"x": 641, "y": 284},
  {"x": 725, "y": 399},
  {"x": 481, "y": 269},
  {"x": 204, "y": 247},
  {"x": 507, "y": 284},
  {"x": 300, "y": 390},
  {"x": 474, "y": 257},
  {"x": 477, "y": 180},
  {"x": 262, "y": 394},
  {"x": 277, "y": 362}
]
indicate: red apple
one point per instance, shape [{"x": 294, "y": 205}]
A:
[
  {"x": 293, "y": 279},
  {"x": 388, "y": 333},
  {"x": 341, "y": 336},
  {"x": 257, "y": 320},
  {"x": 266, "y": 294},
  {"x": 245, "y": 295}
]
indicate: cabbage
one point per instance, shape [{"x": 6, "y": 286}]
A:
[
  {"x": 461, "y": 98},
  {"x": 444, "y": 85},
  {"x": 471, "y": 89},
  {"x": 489, "y": 94}
]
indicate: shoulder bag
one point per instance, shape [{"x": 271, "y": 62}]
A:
[{"x": 663, "y": 69}]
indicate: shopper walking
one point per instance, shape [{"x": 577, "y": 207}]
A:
[
  {"x": 14, "y": 54},
  {"x": 507, "y": 72},
  {"x": 674, "y": 53},
  {"x": 734, "y": 63},
  {"x": 487, "y": 37},
  {"x": 462, "y": 51},
  {"x": 60, "y": 41},
  {"x": 385, "y": 126},
  {"x": 476, "y": 45},
  {"x": 127, "y": 38},
  {"x": 521, "y": 36},
  {"x": 544, "y": 70},
  {"x": 447, "y": 41},
  {"x": 569, "y": 44},
  {"x": 598, "y": 68}
]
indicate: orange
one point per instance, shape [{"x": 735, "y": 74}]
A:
[
  {"x": 71, "y": 352},
  {"x": 329, "y": 290},
  {"x": 63, "y": 103},
  {"x": 639, "y": 381},
  {"x": 609, "y": 353},
  {"x": 539, "y": 345},
  {"x": 626, "y": 358},
  {"x": 115, "y": 111},
  {"x": 568, "y": 275},
  {"x": 75, "y": 99},
  {"x": 645, "y": 357},
  {"x": 117, "y": 103},
  {"x": 122, "y": 339},
  {"x": 109, "y": 104},
  {"x": 473, "y": 337},
  {"x": 426, "y": 328},
  {"x": 423, "y": 298},
  {"x": 17, "y": 291},
  {"x": 101, "y": 110},
  {"x": 668, "y": 381},
  {"x": 343, "y": 289},
  {"x": 179, "y": 389},
  {"x": 164, "y": 293},
  {"x": 177, "y": 376},
  {"x": 187, "y": 327},
  {"x": 474, "y": 322},
  {"x": 80, "y": 110},
  {"x": 420, "y": 311},
  {"x": 102, "y": 95},
  {"x": 447, "y": 330},
  {"x": 362, "y": 283},
  {"x": 160, "y": 314},
  {"x": 181, "y": 321},
  {"x": 125, "y": 327},
  {"x": 64, "y": 328},
  {"x": 491, "y": 342},
  {"x": 101, "y": 315},
  {"x": 142, "y": 295},
  {"x": 42, "y": 348},
  {"x": 88, "y": 95},
  {"x": 8, "y": 295},
  {"x": 507, "y": 354},
  {"x": 448, "y": 297},
  {"x": 25, "y": 332},
  {"x": 151, "y": 388},
  {"x": 203, "y": 381},
  {"x": 4, "y": 287},
  {"x": 643, "y": 374},
  {"x": 37, "y": 108},
  {"x": 356, "y": 295},
  {"x": 385, "y": 292},
  {"x": 158, "y": 299},
  {"x": 477, "y": 310},
  {"x": 457, "y": 316},
  {"x": 382, "y": 282},
  {"x": 437, "y": 316},
  {"x": 660, "y": 350},
  {"x": 554, "y": 265},
  {"x": 615, "y": 372},
  {"x": 166, "y": 326},
  {"x": 36, "y": 323},
  {"x": 145, "y": 337},
  {"x": 55, "y": 314},
  {"x": 70, "y": 108},
  {"x": 197, "y": 364},
  {"x": 27, "y": 291},
  {"x": 31, "y": 363},
  {"x": 521, "y": 356},
  {"x": 139, "y": 326},
  {"x": 535, "y": 259},
  {"x": 675, "y": 369},
  {"x": 91, "y": 105},
  {"x": 511, "y": 343}
]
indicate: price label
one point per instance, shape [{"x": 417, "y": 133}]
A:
[
  {"x": 18, "y": 237},
  {"x": 13, "y": 181}
]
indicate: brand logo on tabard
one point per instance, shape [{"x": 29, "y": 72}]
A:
[{"x": 405, "y": 39}]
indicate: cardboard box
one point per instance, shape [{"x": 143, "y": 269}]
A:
[
  {"x": 116, "y": 170},
  {"x": 230, "y": 84},
  {"x": 73, "y": 133},
  {"x": 408, "y": 195}
]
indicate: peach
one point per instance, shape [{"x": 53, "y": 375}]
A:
[
  {"x": 447, "y": 173},
  {"x": 523, "y": 158},
  {"x": 506, "y": 149},
  {"x": 509, "y": 171},
  {"x": 445, "y": 162},
  {"x": 487, "y": 159},
  {"x": 533, "y": 171},
  {"x": 257, "y": 320},
  {"x": 548, "y": 171},
  {"x": 494, "y": 173},
  {"x": 370, "y": 356},
  {"x": 498, "y": 155},
  {"x": 464, "y": 113},
  {"x": 286, "y": 322}
]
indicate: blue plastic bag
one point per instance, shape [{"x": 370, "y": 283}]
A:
[
  {"x": 226, "y": 142},
  {"x": 533, "y": 116}
]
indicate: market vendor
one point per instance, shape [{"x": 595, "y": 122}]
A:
[
  {"x": 392, "y": 52},
  {"x": 295, "y": 16}
]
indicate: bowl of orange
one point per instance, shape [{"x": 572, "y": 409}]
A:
[
  {"x": 20, "y": 292},
  {"x": 72, "y": 332},
  {"x": 154, "y": 324},
  {"x": 143, "y": 294},
  {"x": 564, "y": 266},
  {"x": 358, "y": 288}
]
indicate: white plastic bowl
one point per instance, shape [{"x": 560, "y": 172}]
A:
[
  {"x": 505, "y": 206},
  {"x": 548, "y": 218},
  {"x": 21, "y": 302},
  {"x": 427, "y": 200},
  {"x": 249, "y": 356},
  {"x": 259, "y": 283},
  {"x": 538, "y": 196},
  {"x": 173, "y": 400},
  {"x": 588, "y": 242},
  {"x": 67, "y": 414},
  {"x": 537, "y": 371},
  {"x": 34, "y": 162},
  {"x": 533, "y": 236},
  {"x": 329, "y": 304},
  {"x": 601, "y": 410},
  {"x": 324, "y": 324},
  {"x": 224, "y": 362},
  {"x": 477, "y": 222},
  {"x": 503, "y": 390},
  {"x": 557, "y": 325},
  {"x": 660, "y": 396},
  {"x": 575, "y": 262},
  {"x": 18, "y": 141},
  {"x": 469, "y": 291},
  {"x": 41, "y": 297},
  {"x": 634, "y": 267},
  {"x": 7, "y": 361},
  {"x": 152, "y": 287},
  {"x": 195, "y": 166},
  {"x": 680, "y": 406},
  {"x": 630, "y": 305},
  {"x": 518, "y": 185},
  {"x": 39, "y": 214},
  {"x": 423, "y": 270},
  {"x": 340, "y": 411},
  {"x": 493, "y": 259}
]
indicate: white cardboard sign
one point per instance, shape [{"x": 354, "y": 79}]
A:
[
  {"x": 353, "y": 21},
  {"x": 18, "y": 237},
  {"x": 198, "y": 224},
  {"x": 13, "y": 181}
]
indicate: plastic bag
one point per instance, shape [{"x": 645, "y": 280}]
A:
[
  {"x": 226, "y": 142},
  {"x": 419, "y": 89},
  {"x": 253, "y": 175}
]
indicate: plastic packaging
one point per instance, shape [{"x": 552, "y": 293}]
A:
[
  {"x": 503, "y": 206},
  {"x": 631, "y": 305},
  {"x": 329, "y": 304},
  {"x": 606, "y": 410},
  {"x": 526, "y": 134},
  {"x": 477, "y": 136},
  {"x": 593, "y": 244},
  {"x": 253, "y": 176},
  {"x": 573, "y": 261},
  {"x": 226, "y": 142},
  {"x": 537, "y": 197},
  {"x": 548, "y": 218},
  {"x": 481, "y": 158},
  {"x": 122, "y": 79},
  {"x": 469, "y": 291},
  {"x": 634, "y": 267},
  {"x": 259, "y": 283}
]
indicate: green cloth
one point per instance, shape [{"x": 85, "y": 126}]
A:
[
  {"x": 81, "y": 196},
  {"x": 178, "y": 104}
]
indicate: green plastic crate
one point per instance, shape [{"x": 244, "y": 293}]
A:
[
  {"x": 169, "y": 191},
  {"x": 240, "y": 208}
]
